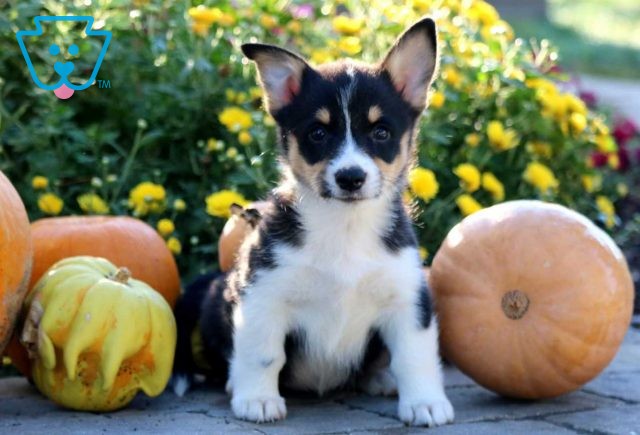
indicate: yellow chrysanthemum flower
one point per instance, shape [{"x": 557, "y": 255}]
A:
[
  {"x": 226, "y": 20},
  {"x": 423, "y": 252},
  {"x": 606, "y": 207},
  {"x": 491, "y": 184},
  {"x": 179, "y": 205},
  {"x": 423, "y": 183},
  {"x": 350, "y": 45},
  {"x": 244, "y": 138},
  {"x": 422, "y": 6},
  {"x": 294, "y": 27},
  {"x": 541, "y": 177},
  {"x": 346, "y": 25},
  {"x": 622, "y": 189},
  {"x": 437, "y": 99},
  {"x": 203, "y": 14},
  {"x": 469, "y": 176},
  {"x": 467, "y": 204},
  {"x": 485, "y": 13},
  {"x": 232, "y": 152},
  {"x": 39, "y": 182},
  {"x": 200, "y": 28},
  {"x": 578, "y": 122},
  {"x": 165, "y": 227},
  {"x": 321, "y": 56},
  {"x": 605, "y": 143},
  {"x": 591, "y": 183},
  {"x": 268, "y": 21},
  {"x": 613, "y": 160},
  {"x": 219, "y": 203},
  {"x": 540, "y": 148},
  {"x": 174, "y": 245},
  {"x": 92, "y": 203},
  {"x": 50, "y": 203},
  {"x": 235, "y": 119},
  {"x": 147, "y": 197},
  {"x": 452, "y": 76},
  {"x": 500, "y": 138},
  {"x": 472, "y": 139}
]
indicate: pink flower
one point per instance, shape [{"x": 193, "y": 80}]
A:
[{"x": 302, "y": 11}]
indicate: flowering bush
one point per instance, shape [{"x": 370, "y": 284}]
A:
[{"x": 181, "y": 133}]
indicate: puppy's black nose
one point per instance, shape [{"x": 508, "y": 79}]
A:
[{"x": 350, "y": 179}]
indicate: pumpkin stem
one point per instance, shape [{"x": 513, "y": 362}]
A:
[
  {"x": 515, "y": 304},
  {"x": 122, "y": 275}
]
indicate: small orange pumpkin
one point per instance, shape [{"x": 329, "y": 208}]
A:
[
  {"x": 15, "y": 258},
  {"x": 237, "y": 228},
  {"x": 123, "y": 240},
  {"x": 533, "y": 300}
]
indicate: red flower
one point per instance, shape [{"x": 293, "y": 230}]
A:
[
  {"x": 598, "y": 159},
  {"x": 624, "y": 130},
  {"x": 589, "y": 99},
  {"x": 625, "y": 158}
]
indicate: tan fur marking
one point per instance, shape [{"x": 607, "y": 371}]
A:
[
  {"x": 323, "y": 115},
  {"x": 391, "y": 171},
  {"x": 309, "y": 173},
  {"x": 375, "y": 113}
]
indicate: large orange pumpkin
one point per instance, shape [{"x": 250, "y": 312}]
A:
[
  {"x": 15, "y": 257},
  {"x": 533, "y": 299},
  {"x": 122, "y": 240}
]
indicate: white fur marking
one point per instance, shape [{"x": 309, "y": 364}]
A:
[{"x": 351, "y": 155}]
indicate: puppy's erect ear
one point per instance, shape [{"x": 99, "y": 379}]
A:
[
  {"x": 280, "y": 73},
  {"x": 412, "y": 61}
]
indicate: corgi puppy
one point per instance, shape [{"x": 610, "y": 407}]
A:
[{"x": 328, "y": 289}]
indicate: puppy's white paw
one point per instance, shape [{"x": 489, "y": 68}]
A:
[
  {"x": 380, "y": 383},
  {"x": 427, "y": 412},
  {"x": 259, "y": 409}
]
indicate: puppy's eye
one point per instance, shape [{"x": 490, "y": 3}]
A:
[
  {"x": 380, "y": 133},
  {"x": 318, "y": 135}
]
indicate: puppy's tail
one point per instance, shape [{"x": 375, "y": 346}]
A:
[{"x": 187, "y": 312}]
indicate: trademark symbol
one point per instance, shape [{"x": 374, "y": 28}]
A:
[{"x": 104, "y": 84}]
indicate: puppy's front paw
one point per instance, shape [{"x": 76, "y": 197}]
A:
[
  {"x": 427, "y": 412},
  {"x": 259, "y": 409}
]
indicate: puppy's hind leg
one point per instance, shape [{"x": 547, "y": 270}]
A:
[{"x": 187, "y": 312}]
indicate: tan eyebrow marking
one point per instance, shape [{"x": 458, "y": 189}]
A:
[
  {"x": 375, "y": 113},
  {"x": 323, "y": 115}
]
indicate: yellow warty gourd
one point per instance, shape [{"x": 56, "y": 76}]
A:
[{"x": 97, "y": 336}]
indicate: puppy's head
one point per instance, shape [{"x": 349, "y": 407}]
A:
[{"x": 347, "y": 128}]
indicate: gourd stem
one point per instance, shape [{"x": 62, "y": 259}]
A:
[{"x": 122, "y": 275}]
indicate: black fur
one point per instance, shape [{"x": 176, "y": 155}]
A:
[
  {"x": 187, "y": 312},
  {"x": 425, "y": 311},
  {"x": 321, "y": 88},
  {"x": 279, "y": 224},
  {"x": 400, "y": 233}
]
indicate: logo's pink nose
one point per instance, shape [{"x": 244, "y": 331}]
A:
[{"x": 64, "y": 92}]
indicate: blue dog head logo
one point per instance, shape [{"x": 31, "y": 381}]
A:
[{"x": 63, "y": 88}]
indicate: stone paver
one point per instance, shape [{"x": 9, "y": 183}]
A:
[{"x": 609, "y": 404}]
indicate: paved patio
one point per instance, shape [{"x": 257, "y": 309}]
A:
[{"x": 608, "y": 405}]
